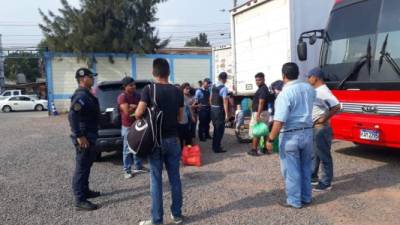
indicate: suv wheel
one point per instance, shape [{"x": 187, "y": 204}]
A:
[{"x": 98, "y": 157}]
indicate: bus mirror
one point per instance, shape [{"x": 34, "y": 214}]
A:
[
  {"x": 302, "y": 50},
  {"x": 312, "y": 39}
]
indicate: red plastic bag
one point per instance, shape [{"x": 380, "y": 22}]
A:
[{"x": 191, "y": 155}]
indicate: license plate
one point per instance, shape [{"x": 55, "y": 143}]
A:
[{"x": 372, "y": 135}]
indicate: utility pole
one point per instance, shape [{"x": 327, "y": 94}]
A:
[{"x": 2, "y": 79}]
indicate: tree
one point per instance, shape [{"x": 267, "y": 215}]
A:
[
  {"x": 103, "y": 26},
  {"x": 200, "y": 41},
  {"x": 26, "y": 63}
]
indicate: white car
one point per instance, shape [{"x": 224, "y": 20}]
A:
[{"x": 22, "y": 102}]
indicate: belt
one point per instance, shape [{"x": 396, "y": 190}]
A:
[{"x": 296, "y": 129}]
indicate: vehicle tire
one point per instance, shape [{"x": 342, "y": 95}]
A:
[
  {"x": 39, "y": 108},
  {"x": 6, "y": 109},
  {"x": 98, "y": 157}
]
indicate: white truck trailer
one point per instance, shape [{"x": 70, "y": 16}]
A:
[{"x": 265, "y": 35}]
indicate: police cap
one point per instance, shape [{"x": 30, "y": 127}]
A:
[{"x": 81, "y": 72}]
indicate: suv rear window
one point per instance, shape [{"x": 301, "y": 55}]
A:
[{"x": 108, "y": 94}]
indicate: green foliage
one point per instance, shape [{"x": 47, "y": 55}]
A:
[
  {"x": 200, "y": 41},
  {"x": 26, "y": 63},
  {"x": 103, "y": 26}
]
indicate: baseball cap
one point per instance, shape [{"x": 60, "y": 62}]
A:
[
  {"x": 126, "y": 81},
  {"x": 316, "y": 72},
  {"x": 81, "y": 72}
]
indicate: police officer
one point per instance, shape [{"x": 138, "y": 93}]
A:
[
  {"x": 219, "y": 111},
  {"x": 202, "y": 98},
  {"x": 83, "y": 118}
]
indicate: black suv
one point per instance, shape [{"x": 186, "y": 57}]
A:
[{"x": 110, "y": 135}]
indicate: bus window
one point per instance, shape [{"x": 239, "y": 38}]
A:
[{"x": 388, "y": 26}]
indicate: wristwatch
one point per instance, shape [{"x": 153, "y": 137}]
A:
[{"x": 270, "y": 140}]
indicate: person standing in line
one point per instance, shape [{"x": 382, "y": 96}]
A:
[
  {"x": 219, "y": 111},
  {"x": 293, "y": 120},
  {"x": 202, "y": 98},
  {"x": 127, "y": 102},
  {"x": 260, "y": 112},
  {"x": 170, "y": 101},
  {"x": 187, "y": 128},
  {"x": 83, "y": 119},
  {"x": 326, "y": 105}
]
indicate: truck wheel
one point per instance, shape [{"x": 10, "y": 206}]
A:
[
  {"x": 6, "y": 109},
  {"x": 39, "y": 108}
]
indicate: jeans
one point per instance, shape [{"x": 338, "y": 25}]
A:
[
  {"x": 218, "y": 120},
  {"x": 204, "y": 123},
  {"x": 170, "y": 155},
  {"x": 83, "y": 163},
  {"x": 322, "y": 154},
  {"x": 128, "y": 157},
  {"x": 295, "y": 149}
]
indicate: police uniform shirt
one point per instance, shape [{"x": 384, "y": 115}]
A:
[{"x": 84, "y": 113}]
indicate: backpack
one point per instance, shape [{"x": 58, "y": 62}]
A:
[
  {"x": 116, "y": 114},
  {"x": 145, "y": 134}
]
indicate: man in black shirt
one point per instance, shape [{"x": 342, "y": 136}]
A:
[
  {"x": 259, "y": 111},
  {"x": 170, "y": 101}
]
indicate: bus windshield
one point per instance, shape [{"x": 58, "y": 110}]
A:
[{"x": 354, "y": 28}]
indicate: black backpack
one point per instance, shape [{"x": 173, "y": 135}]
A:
[
  {"x": 116, "y": 114},
  {"x": 145, "y": 134}
]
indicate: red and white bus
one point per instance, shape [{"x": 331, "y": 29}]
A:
[{"x": 360, "y": 56}]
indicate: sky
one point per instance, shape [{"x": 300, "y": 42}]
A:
[{"x": 179, "y": 20}]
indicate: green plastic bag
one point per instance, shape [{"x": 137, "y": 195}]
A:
[
  {"x": 275, "y": 145},
  {"x": 260, "y": 130}
]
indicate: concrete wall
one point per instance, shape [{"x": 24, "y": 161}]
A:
[{"x": 61, "y": 67}]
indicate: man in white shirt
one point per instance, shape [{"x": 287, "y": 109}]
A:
[{"x": 325, "y": 106}]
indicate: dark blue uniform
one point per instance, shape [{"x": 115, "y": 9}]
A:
[
  {"x": 204, "y": 114},
  {"x": 83, "y": 118}
]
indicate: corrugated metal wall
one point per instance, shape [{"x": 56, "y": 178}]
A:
[{"x": 61, "y": 67}]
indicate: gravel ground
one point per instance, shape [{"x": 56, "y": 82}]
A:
[{"x": 37, "y": 161}]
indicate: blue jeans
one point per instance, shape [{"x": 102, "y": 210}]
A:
[
  {"x": 295, "y": 149},
  {"x": 322, "y": 154},
  {"x": 128, "y": 157},
  {"x": 170, "y": 155}
]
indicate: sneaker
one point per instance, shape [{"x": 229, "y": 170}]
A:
[
  {"x": 286, "y": 205},
  {"x": 253, "y": 153},
  {"x": 92, "y": 194},
  {"x": 314, "y": 181},
  {"x": 320, "y": 188},
  {"x": 127, "y": 175},
  {"x": 176, "y": 219},
  {"x": 141, "y": 170},
  {"x": 146, "y": 222},
  {"x": 85, "y": 206}
]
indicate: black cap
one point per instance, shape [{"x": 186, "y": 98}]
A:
[
  {"x": 126, "y": 81},
  {"x": 81, "y": 72},
  {"x": 207, "y": 80}
]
